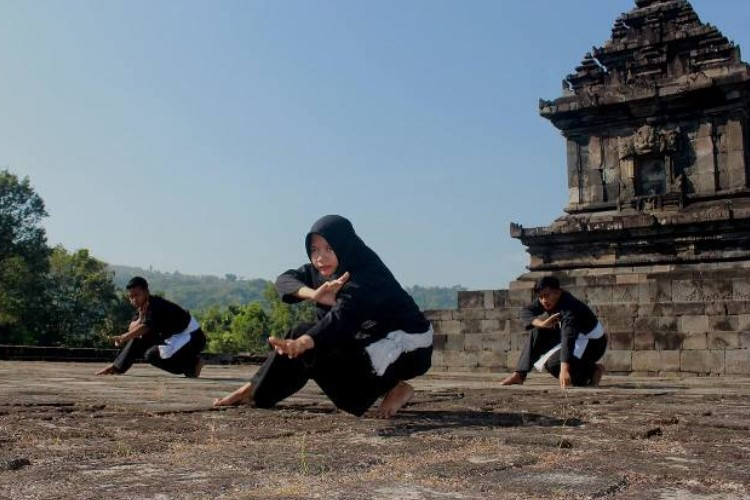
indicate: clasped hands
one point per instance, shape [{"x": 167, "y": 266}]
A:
[{"x": 325, "y": 295}]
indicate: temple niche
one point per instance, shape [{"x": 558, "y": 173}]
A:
[{"x": 655, "y": 235}]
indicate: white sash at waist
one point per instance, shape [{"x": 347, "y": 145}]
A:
[
  {"x": 175, "y": 342},
  {"x": 580, "y": 346},
  {"x": 387, "y": 350}
]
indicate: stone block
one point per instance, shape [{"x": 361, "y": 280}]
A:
[
  {"x": 470, "y": 300},
  {"x": 743, "y": 322},
  {"x": 489, "y": 299},
  {"x": 744, "y": 340},
  {"x": 448, "y": 327},
  {"x": 520, "y": 298},
  {"x": 716, "y": 307},
  {"x": 469, "y": 326},
  {"x": 492, "y": 359},
  {"x": 738, "y": 307},
  {"x": 439, "y": 315},
  {"x": 472, "y": 343},
  {"x": 723, "y": 323},
  {"x": 438, "y": 341},
  {"x": 464, "y": 314},
  {"x": 628, "y": 294},
  {"x": 599, "y": 294},
  {"x": 500, "y": 298},
  {"x": 668, "y": 341},
  {"x": 647, "y": 323},
  {"x": 620, "y": 340},
  {"x": 502, "y": 313},
  {"x": 618, "y": 361},
  {"x": 644, "y": 340},
  {"x": 658, "y": 290},
  {"x": 647, "y": 361},
  {"x": 460, "y": 359},
  {"x": 691, "y": 324},
  {"x": 738, "y": 362},
  {"x": 454, "y": 342},
  {"x": 630, "y": 279},
  {"x": 723, "y": 340},
  {"x": 687, "y": 290},
  {"x": 695, "y": 341},
  {"x": 617, "y": 323},
  {"x": 689, "y": 308},
  {"x": 438, "y": 359},
  {"x": 489, "y": 325},
  {"x": 670, "y": 361},
  {"x": 741, "y": 289},
  {"x": 702, "y": 361},
  {"x": 717, "y": 290},
  {"x": 496, "y": 342}
]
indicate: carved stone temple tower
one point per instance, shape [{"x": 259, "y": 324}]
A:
[{"x": 656, "y": 234}]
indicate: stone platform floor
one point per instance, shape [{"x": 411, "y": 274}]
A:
[{"x": 148, "y": 435}]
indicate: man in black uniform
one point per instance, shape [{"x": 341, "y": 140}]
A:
[
  {"x": 163, "y": 334},
  {"x": 566, "y": 338}
]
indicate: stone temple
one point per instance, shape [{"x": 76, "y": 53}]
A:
[{"x": 656, "y": 233}]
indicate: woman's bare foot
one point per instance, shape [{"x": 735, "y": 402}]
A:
[
  {"x": 596, "y": 378},
  {"x": 516, "y": 378},
  {"x": 395, "y": 399},
  {"x": 110, "y": 370},
  {"x": 239, "y": 397}
]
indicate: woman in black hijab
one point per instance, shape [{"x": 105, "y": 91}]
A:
[{"x": 369, "y": 337}]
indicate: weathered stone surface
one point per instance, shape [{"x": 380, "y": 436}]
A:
[
  {"x": 470, "y": 300},
  {"x": 702, "y": 361},
  {"x": 738, "y": 362}
]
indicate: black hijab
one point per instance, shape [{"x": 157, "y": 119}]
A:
[{"x": 351, "y": 252}]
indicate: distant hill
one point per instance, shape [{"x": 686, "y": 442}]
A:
[{"x": 196, "y": 292}]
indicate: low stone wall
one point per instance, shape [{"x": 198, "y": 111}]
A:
[
  {"x": 44, "y": 353},
  {"x": 660, "y": 321}
]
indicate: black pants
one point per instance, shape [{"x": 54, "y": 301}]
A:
[
  {"x": 344, "y": 374},
  {"x": 183, "y": 361},
  {"x": 542, "y": 340}
]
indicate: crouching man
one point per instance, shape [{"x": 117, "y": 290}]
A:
[
  {"x": 565, "y": 338},
  {"x": 163, "y": 333}
]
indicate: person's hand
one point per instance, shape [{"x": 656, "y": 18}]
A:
[
  {"x": 565, "y": 380},
  {"x": 120, "y": 339},
  {"x": 325, "y": 294},
  {"x": 550, "y": 322},
  {"x": 292, "y": 348}
]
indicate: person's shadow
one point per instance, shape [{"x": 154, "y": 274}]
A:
[{"x": 407, "y": 422}]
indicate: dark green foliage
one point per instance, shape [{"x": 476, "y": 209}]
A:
[
  {"x": 23, "y": 260},
  {"x": 195, "y": 292}
]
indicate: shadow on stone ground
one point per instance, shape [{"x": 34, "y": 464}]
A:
[{"x": 67, "y": 434}]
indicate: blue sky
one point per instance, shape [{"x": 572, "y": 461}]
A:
[{"x": 206, "y": 137}]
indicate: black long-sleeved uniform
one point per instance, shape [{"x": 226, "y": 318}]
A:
[
  {"x": 369, "y": 306},
  {"x": 575, "y": 317}
]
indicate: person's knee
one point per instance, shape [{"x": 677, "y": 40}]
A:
[{"x": 152, "y": 356}]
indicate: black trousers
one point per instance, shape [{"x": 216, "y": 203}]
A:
[
  {"x": 344, "y": 374},
  {"x": 183, "y": 362},
  {"x": 542, "y": 340}
]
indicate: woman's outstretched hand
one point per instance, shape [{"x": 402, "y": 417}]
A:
[
  {"x": 325, "y": 294},
  {"x": 292, "y": 348}
]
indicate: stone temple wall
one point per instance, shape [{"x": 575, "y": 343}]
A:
[{"x": 660, "y": 321}]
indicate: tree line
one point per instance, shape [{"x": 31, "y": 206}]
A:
[{"x": 56, "y": 297}]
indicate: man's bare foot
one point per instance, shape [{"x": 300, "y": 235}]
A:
[
  {"x": 238, "y": 398},
  {"x": 198, "y": 367},
  {"x": 596, "y": 378},
  {"x": 513, "y": 379},
  {"x": 110, "y": 370},
  {"x": 394, "y": 400}
]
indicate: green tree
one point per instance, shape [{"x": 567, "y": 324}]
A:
[
  {"x": 236, "y": 329},
  {"x": 82, "y": 297},
  {"x": 283, "y": 316},
  {"x": 23, "y": 260}
]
